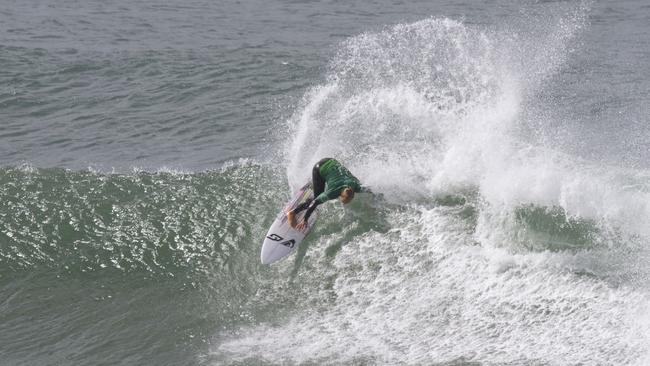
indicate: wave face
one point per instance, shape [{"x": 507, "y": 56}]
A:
[
  {"x": 136, "y": 268},
  {"x": 488, "y": 246},
  {"x": 156, "y": 223}
]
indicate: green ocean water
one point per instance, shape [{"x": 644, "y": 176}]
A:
[
  {"x": 145, "y": 149},
  {"x": 137, "y": 268},
  {"x": 125, "y": 267}
]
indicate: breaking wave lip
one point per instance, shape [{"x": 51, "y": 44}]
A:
[
  {"x": 541, "y": 260},
  {"x": 428, "y": 108}
]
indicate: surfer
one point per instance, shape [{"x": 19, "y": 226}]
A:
[{"x": 331, "y": 174}]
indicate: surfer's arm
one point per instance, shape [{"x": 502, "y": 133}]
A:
[{"x": 364, "y": 189}]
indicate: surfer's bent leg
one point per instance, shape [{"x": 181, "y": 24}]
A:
[
  {"x": 318, "y": 186},
  {"x": 302, "y": 206},
  {"x": 311, "y": 209},
  {"x": 317, "y": 181},
  {"x": 310, "y": 205}
]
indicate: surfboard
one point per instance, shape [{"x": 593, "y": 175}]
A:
[{"x": 282, "y": 239}]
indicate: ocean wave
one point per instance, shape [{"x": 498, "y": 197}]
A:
[{"x": 161, "y": 223}]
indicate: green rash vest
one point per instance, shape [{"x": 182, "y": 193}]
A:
[{"x": 337, "y": 178}]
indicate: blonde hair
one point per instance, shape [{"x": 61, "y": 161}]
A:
[{"x": 347, "y": 194}]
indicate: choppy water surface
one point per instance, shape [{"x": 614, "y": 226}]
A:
[{"x": 146, "y": 148}]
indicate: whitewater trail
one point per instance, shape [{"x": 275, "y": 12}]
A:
[{"x": 497, "y": 249}]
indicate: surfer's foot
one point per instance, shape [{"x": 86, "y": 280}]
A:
[
  {"x": 302, "y": 226},
  {"x": 291, "y": 216}
]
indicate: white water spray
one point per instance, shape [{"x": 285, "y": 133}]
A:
[{"x": 425, "y": 110}]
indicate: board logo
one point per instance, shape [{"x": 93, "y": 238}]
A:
[
  {"x": 275, "y": 237},
  {"x": 289, "y": 243}
]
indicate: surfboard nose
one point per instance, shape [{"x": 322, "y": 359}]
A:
[{"x": 266, "y": 256}]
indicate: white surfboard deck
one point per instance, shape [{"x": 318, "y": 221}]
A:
[{"x": 281, "y": 238}]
